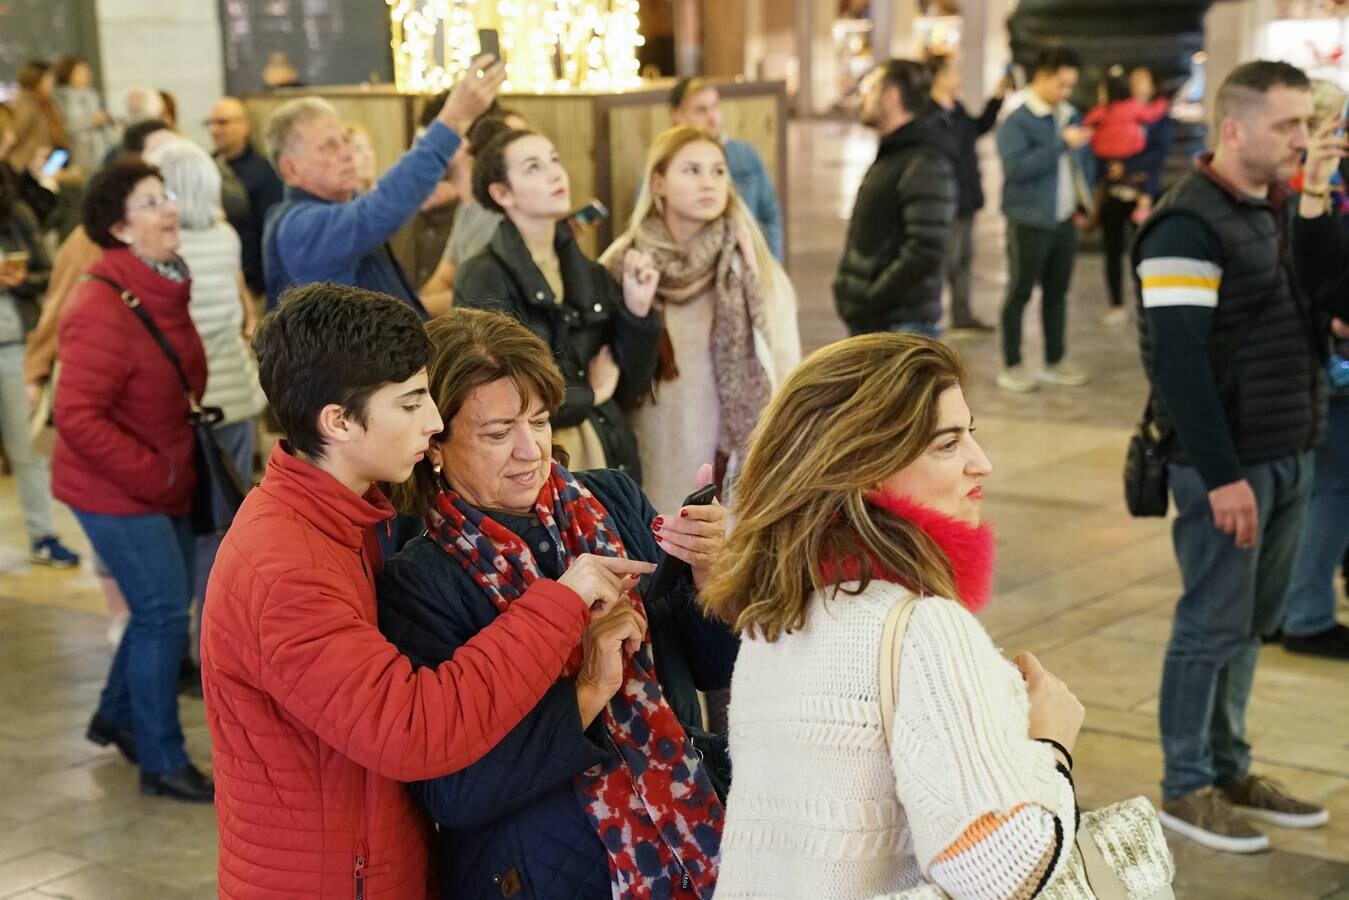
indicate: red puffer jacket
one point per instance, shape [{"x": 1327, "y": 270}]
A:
[
  {"x": 316, "y": 719},
  {"x": 123, "y": 442}
]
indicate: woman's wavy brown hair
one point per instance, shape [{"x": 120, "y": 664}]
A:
[
  {"x": 470, "y": 348},
  {"x": 847, "y": 418}
]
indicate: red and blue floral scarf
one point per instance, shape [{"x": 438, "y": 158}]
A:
[{"x": 652, "y": 802}]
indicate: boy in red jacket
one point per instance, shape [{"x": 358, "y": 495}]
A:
[{"x": 315, "y": 718}]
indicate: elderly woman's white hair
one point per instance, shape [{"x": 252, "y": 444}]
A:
[
  {"x": 143, "y": 104},
  {"x": 192, "y": 175}
]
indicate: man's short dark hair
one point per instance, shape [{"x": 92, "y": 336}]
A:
[
  {"x": 1051, "y": 59},
  {"x": 106, "y": 194},
  {"x": 489, "y": 166},
  {"x": 133, "y": 139},
  {"x": 1244, "y": 88},
  {"x": 330, "y": 343},
  {"x": 911, "y": 79}
]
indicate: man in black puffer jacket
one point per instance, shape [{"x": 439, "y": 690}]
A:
[{"x": 890, "y": 276}]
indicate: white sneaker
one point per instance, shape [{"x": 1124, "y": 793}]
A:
[
  {"x": 1065, "y": 374},
  {"x": 1116, "y": 317},
  {"x": 1017, "y": 380}
]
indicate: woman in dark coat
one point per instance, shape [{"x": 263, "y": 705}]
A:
[
  {"x": 604, "y": 336},
  {"x": 609, "y": 787}
]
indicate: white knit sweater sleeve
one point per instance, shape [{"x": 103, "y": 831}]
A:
[{"x": 990, "y": 810}]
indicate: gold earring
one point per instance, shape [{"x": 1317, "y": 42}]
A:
[{"x": 436, "y": 468}]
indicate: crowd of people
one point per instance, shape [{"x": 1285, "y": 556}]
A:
[{"x": 435, "y": 638}]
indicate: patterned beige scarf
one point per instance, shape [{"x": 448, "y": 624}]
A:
[{"x": 721, "y": 258}]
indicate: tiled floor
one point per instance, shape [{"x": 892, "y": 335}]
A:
[{"x": 1080, "y": 584}]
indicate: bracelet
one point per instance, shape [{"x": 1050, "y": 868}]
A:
[
  {"x": 1315, "y": 195},
  {"x": 1059, "y": 747}
]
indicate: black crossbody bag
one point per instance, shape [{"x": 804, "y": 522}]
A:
[
  {"x": 219, "y": 490},
  {"x": 1146, "y": 482}
]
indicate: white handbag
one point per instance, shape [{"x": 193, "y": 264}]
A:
[{"x": 1120, "y": 852}]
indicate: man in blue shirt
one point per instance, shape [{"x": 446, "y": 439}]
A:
[
  {"x": 696, "y": 102},
  {"x": 324, "y": 231}
]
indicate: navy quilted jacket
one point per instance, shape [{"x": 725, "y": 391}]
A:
[{"x": 511, "y": 825}]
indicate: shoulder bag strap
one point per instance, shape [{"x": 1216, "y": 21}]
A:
[
  {"x": 892, "y": 642},
  {"x": 133, "y": 303}
]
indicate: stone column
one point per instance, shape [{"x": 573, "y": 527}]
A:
[{"x": 173, "y": 46}]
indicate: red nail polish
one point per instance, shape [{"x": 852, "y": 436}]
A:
[
  {"x": 655, "y": 527},
  {"x": 659, "y": 520},
  {"x": 658, "y": 539},
  {"x": 683, "y": 513}
]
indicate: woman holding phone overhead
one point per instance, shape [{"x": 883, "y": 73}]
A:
[
  {"x": 602, "y": 330},
  {"x": 610, "y": 786}
]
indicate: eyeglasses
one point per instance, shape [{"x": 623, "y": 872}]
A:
[
  {"x": 209, "y": 122},
  {"x": 153, "y": 202}
]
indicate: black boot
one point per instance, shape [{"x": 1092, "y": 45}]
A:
[
  {"x": 185, "y": 783},
  {"x": 103, "y": 733}
]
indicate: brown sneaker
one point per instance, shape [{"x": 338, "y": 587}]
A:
[
  {"x": 1263, "y": 799},
  {"x": 1207, "y": 817}
]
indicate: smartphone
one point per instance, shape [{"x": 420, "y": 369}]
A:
[
  {"x": 670, "y": 569},
  {"x": 489, "y": 42},
  {"x": 55, "y": 162},
  {"x": 593, "y": 211}
]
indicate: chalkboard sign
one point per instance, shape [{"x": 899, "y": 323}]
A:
[
  {"x": 328, "y": 42},
  {"x": 45, "y": 29}
]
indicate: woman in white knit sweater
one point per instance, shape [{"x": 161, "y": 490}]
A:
[
  {"x": 729, "y": 313},
  {"x": 220, "y": 307},
  {"x": 861, "y": 489}
]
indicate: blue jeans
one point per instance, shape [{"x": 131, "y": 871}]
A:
[
  {"x": 1311, "y": 596},
  {"x": 927, "y": 329},
  {"x": 151, "y": 558},
  {"x": 1231, "y": 597},
  {"x": 31, "y": 475}
]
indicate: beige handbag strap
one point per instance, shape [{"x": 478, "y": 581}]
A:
[{"x": 892, "y": 641}]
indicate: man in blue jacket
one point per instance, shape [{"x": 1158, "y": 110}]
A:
[
  {"x": 697, "y": 103},
  {"x": 1046, "y": 169},
  {"x": 323, "y": 231}
]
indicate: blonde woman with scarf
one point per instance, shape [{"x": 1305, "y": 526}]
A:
[{"x": 729, "y": 311}]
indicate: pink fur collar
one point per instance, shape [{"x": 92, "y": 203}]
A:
[{"x": 970, "y": 548}]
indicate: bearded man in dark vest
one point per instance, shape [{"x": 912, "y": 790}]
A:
[{"x": 1234, "y": 335}]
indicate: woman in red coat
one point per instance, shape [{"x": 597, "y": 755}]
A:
[{"x": 123, "y": 460}]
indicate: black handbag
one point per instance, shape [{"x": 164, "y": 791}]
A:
[
  {"x": 1145, "y": 478},
  {"x": 220, "y": 490}
]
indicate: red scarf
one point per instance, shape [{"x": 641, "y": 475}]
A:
[
  {"x": 969, "y": 549},
  {"x": 652, "y": 802}
]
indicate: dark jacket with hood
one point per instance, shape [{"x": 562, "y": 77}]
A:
[
  {"x": 901, "y": 223},
  {"x": 591, "y": 314}
]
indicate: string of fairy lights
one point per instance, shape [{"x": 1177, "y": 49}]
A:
[{"x": 548, "y": 45}]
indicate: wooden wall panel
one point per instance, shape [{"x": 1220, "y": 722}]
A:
[{"x": 569, "y": 122}]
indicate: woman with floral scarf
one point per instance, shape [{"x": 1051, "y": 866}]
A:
[{"x": 610, "y": 787}]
